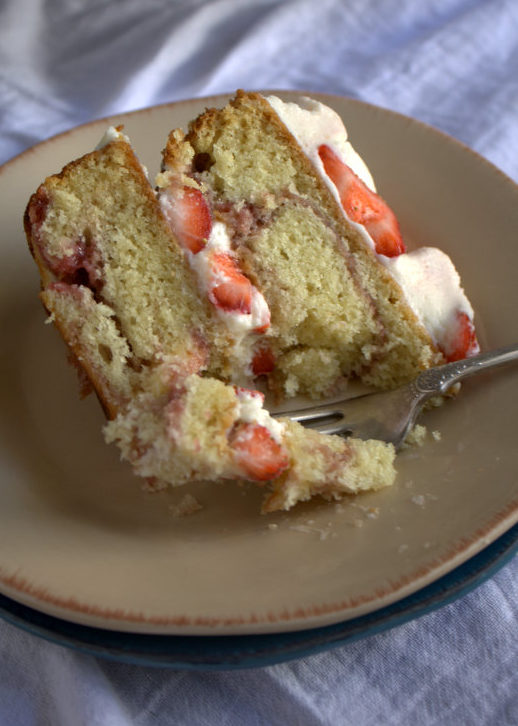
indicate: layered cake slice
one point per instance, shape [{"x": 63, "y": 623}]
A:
[
  {"x": 286, "y": 200},
  {"x": 249, "y": 263},
  {"x": 117, "y": 285}
]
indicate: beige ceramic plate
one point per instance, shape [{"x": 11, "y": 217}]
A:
[{"x": 80, "y": 540}]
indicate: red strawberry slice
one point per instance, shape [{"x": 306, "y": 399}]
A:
[
  {"x": 189, "y": 216},
  {"x": 263, "y": 361},
  {"x": 257, "y": 453},
  {"x": 462, "y": 343},
  {"x": 362, "y": 205},
  {"x": 231, "y": 291}
]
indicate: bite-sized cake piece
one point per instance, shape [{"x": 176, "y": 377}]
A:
[
  {"x": 158, "y": 336},
  {"x": 278, "y": 215}
]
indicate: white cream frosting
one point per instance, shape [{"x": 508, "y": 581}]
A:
[
  {"x": 111, "y": 134},
  {"x": 432, "y": 287},
  {"x": 427, "y": 276},
  {"x": 250, "y": 410},
  {"x": 239, "y": 323},
  {"x": 313, "y": 124}
]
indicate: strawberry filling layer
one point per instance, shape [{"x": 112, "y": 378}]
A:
[
  {"x": 230, "y": 290},
  {"x": 263, "y": 361},
  {"x": 255, "y": 438},
  {"x": 256, "y": 452},
  {"x": 78, "y": 262},
  {"x": 208, "y": 248},
  {"x": 189, "y": 216}
]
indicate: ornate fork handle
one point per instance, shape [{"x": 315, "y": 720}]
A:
[
  {"x": 389, "y": 415},
  {"x": 438, "y": 380}
]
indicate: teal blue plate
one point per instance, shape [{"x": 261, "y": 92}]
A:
[{"x": 252, "y": 651}]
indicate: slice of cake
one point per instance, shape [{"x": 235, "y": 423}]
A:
[
  {"x": 273, "y": 189},
  {"x": 119, "y": 289},
  {"x": 252, "y": 263}
]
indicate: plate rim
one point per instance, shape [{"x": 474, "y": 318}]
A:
[
  {"x": 219, "y": 98},
  {"x": 236, "y": 652}
]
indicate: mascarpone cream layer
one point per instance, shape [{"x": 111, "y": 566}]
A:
[
  {"x": 427, "y": 276},
  {"x": 250, "y": 410},
  {"x": 314, "y": 124},
  {"x": 432, "y": 287},
  {"x": 239, "y": 323}
]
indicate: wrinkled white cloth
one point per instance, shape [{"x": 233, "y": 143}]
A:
[{"x": 451, "y": 63}]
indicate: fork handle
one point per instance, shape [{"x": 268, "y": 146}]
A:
[{"x": 441, "y": 378}]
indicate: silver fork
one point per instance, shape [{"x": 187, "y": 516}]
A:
[{"x": 390, "y": 415}]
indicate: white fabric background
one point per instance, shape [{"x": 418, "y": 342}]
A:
[{"x": 451, "y": 63}]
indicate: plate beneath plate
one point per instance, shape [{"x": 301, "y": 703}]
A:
[
  {"x": 80, "y": 540},
  {"x": 253, "y": 651}
]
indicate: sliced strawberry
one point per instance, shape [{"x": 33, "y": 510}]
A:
[
  {"x": 231, "y": 290},
  {"x": 263, "y": 361},
  {"x": 189, "y": 216},
  {"x": 257, "y": 453},
  {"x": 462, "y": 342},
  {"x": 362, "y": 205}
]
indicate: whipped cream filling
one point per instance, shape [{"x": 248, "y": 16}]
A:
[
  {"x": 432, "y": 287},
  {"x": 243, "y": 328},
  {"x": 208, "y": 277},
  {"x": 314, "y": 124},
  {"x": 250, "y": 410},
  {"x": 427, "y": 276}
]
